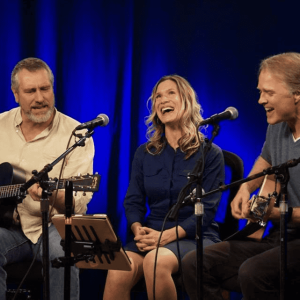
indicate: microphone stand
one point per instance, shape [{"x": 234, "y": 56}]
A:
[
  {"x": 68, "y": 234},
  {"x": 282, "y": 174},
  {"x": 283, "y": 178},
  {"x": 197, "y": 175},
  {"x": 44, "y": 205},
  {"x": 42, "y": 178},
  {"x": 199, "y": 212}
]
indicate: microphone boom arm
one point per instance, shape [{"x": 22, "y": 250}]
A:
[
  {"x": 277, "y": 170},
  {"x": 38, "y": 176}
]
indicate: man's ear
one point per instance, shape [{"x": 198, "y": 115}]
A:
[{"x": 16, "y": 95}]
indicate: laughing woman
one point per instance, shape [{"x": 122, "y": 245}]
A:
[{"x": 159, "y": 172}]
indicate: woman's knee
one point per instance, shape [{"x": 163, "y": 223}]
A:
[
  {"x": 127, "y": 277},
  {"x": 166, "y": 262},
  {"x": 119, "y": 277}
]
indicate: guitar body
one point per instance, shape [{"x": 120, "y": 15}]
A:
[
  {"x": 260, "y": 210},
  {"x": 9, "y": 175}
]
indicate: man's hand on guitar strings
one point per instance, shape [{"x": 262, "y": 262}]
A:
[{"x": 239, "y": 204}]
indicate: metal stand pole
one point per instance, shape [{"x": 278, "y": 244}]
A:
[
  {"x": 199, "y": 212},
  {"x": 283, "y": 178},
  {"x": 45, "y": 237},
  {"x": 283, "y": 246},
  {"x": 68, "y": 234}
]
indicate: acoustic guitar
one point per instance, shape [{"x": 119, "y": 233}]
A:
[
  {"x": 260, "y": 209},
  {"x": 12, "y": 179}
]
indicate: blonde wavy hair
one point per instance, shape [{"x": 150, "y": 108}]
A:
[{"x": 192, "y": 138}]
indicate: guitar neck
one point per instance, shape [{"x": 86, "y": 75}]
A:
[
  {"x": 85, "y": 183},
  {"x": 14, "y": 190},
  {"x": 9, "y": 191}
]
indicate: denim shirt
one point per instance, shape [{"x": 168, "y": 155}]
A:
[{"x": 157, "y": 180}]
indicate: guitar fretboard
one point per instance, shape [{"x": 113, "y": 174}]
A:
[
  {"x": 83, "y": 183},
  {"x": 10, "y": 191},
  {"x": 14, "y": 190}
]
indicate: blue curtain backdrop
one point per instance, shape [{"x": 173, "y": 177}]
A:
[{"x": 107, "y": 55}]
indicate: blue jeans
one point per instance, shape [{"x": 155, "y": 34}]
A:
[{"x": 15, "y": 247}]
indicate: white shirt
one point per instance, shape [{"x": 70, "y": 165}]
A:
[{"x": 35, "y": 154}]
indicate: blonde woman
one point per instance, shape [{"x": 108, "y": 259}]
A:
[{"x": 159, "y": 171}]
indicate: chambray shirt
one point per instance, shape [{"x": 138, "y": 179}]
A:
[
  {"x": 35, "y": 154},
  {"x": 158, "y": 179}
]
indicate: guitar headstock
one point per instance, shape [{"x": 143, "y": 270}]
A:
[{"x": 84, "y": 183}]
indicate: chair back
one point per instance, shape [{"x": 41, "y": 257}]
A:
[{"x": 234, "y": 170}]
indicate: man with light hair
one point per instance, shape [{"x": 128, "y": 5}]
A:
[
  {"x": 34, "y": 135},
  {"x": 249, "y": 265}
]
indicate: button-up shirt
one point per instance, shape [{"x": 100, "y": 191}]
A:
[
  {"x": 158, "y": 179},
  {"x": 35, "y": 154}
]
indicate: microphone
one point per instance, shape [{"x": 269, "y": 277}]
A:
[
  {"x": 230, "y": 113},
  {"x": 186, "y": 201},
  {"x": 191, "y": 196},
  {"x": 101, "y": 120}
]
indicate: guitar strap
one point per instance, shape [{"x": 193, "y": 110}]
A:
[{"x": 244, "y": 233}]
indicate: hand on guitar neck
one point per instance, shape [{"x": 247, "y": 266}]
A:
[{"x": 35, "y": 192}]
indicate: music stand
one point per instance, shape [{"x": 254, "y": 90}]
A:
[{"x": 94, "y": 243}]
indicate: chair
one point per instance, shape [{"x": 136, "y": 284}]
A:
[{"x": 228, "y": 225}]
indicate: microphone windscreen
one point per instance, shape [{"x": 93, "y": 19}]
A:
[
  {"x": 233, "y": 111},
  {"x": 105, "y": 119}
]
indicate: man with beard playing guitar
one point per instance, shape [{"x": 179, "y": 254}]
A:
[{"x": 33, "y": 135}]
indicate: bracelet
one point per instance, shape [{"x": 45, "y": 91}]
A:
[{"x": 290, "y": 212}]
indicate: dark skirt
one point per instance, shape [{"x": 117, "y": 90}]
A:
[{"x": 185, "y": 246}]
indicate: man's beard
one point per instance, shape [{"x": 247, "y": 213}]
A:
[{"x": 40, "y": 118}]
